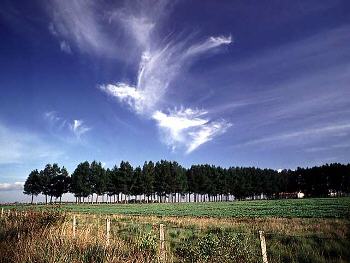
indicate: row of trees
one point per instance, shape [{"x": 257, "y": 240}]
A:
[{"x": 168, "y": 181}]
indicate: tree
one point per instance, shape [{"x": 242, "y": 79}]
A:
[
  {"x": 60, "y": 183},
  {"x": 81, "y": 185},
  {"x": 148, "y": 178},
  {"x": 98, "y": 179},
  {"x": 137, "y": 183},
  {"x": 45, "y": 178},
  {"x": 32, "y": 185},
  {"x": 125, "y": 173}
]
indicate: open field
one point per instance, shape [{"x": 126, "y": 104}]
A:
[
  {"x": 286, "y": 208},
  {"x": 308, "y": 230}
]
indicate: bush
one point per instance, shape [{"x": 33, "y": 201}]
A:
[{"x": 217, "y": 247}]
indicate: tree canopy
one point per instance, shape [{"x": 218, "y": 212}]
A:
[{"x": 169, "y": 181}]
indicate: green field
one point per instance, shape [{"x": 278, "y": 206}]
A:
[
  {"x": 298, "y": 230},
  {"x": 291, "y": 208}
]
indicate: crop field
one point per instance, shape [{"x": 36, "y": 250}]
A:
[
  {"x": 286, "y": 208},
  {"x": 307, "y": 230}
]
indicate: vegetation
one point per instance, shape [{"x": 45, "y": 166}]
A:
[
  {"x": 48, "y": 237},
  {"x": 282, "y": 208},
  {"x": 167, "y": 181}
]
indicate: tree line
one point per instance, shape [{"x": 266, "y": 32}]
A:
[{"x": 168, "y": 181}]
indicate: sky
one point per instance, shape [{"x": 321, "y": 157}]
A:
[{"x": 232, "y": 83}]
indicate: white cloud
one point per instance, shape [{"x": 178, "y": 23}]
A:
[
  {"x": 79, "y": 128},
  {"x": 211, "y": 42},
  {"x": 188, "y": 127},
  {"x": 125, "y": 93},
  {"x": 65, "y": 47},
  {"x": 139, "y": 27},
  {"x": 78, "y": 22},
  {"x": 160, "y": 63},
  {"x": 306, "y": 135},
  {"x": 157, "y": 69},
  {"x": 11, "y": 186}
]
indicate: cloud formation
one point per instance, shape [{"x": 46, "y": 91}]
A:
[
  {"x": 11, "y": 186},
  {"x": 88, "y": 26},
  {"x": 161, "y": 62},
  {"x": 77, "y": 127},
  {"x": 188, "y": 127},
  {"x": 79, "y": 22},
  {"x": 306, "y": 135},
  {"x": 65, "y": 47}
]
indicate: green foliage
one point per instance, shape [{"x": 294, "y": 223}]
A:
[
  {"x": 290, "y": 208},
  {"x": 33, "y": 185},
  {"x": 168, "y": 179},
  {"x": 148, "y": 242},
  {"x": 218, "y": 247}
]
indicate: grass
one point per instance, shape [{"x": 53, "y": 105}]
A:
[
  {"x": 48, "y": 237},
  {"x": 308, "y": 230},
  {"x": 287, "y": 208}
]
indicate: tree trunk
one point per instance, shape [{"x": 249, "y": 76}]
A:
[
  {"x": 46, "y": 199},
  {"x": 32, "y": 198},
  {"x": 60, "y": 199}
]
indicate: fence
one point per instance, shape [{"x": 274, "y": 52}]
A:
[{"x": 173, "y": 241}]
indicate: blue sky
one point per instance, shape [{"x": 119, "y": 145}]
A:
[{"x": 231, "y": 83}]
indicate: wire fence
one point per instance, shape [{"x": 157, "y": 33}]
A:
[{"x": 191, "y": 242}]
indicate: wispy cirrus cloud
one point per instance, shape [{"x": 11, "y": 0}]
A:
[
  {"x": 161, "y": 62},
  {"x": 79, "y": 22},
  {"x": 305, "y": 136},
  {"x": 88, "y": 26},
  {"x": 65, "y": 47},
  {"x": 77, "y": 126},
  {"x": 188, "y": 127},
  {"x": 157, "y": 69}
]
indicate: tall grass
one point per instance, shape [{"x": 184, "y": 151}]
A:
[
  {"x": 47, "y": 237},
  {"x": 39, "y": 238}
]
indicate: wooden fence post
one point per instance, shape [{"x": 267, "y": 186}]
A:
[
  {"x": 162, "y": 242},
  {"x": 2, "y": 212},
  {"x": 108, "y": 228},
  {"x": 74, "y": 223},
  {"x": 263, "y": 246}
]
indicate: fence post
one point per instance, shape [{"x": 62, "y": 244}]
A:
[
  {"x": 263, "y": 246},
  {"x": 74, "y": 223},
  {"x": 108, "y": 228},
  {"x": 2, "y": 212},
  {"x": 162, "y": 242}
]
